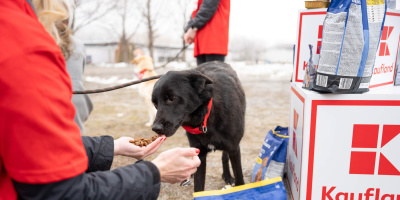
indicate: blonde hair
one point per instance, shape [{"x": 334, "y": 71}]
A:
[{"x": 54, "y": 15}]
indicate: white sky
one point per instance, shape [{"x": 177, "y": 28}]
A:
[
  {"x": 273, "y": 22},
  {"x": 267, "y": 21}
]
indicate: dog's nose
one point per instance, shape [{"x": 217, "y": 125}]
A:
[{"x": 158, "y": 127}]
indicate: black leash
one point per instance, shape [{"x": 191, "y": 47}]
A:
[
  {"x": 176, "y": 57},
  {"x": 116, "y": 86},
  {"x": 132, "y": 82}
]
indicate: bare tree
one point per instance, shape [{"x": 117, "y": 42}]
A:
[
  {"x": 150, "y": 10},
  {"x": 248, "y": 49},
  {"x": 92, "y": 11},
  {"x": 149, "y": 21},
  {"x": 124, "y": 11},
  {"x": 184, "y": 8}
]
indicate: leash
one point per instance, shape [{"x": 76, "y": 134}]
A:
[
  {"x": 132, "y": 82},
  {"x": 116, "y": 86},
  {"x": 177, "y": 55}
]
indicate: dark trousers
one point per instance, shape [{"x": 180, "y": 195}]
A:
[{"x": 209, "y": 57}]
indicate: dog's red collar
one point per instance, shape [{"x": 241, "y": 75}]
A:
[
  {"x": 203, "y": 127},
  {"x": 141, "y": 74}
]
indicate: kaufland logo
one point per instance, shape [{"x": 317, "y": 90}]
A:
[
  {"x": 295, "y": 122},
  {"x": 373, "y": 153},
  {"x": 374, "y": 150},
  {"x": 384, "y": 48},
  {"x": 319, "y": 41}
]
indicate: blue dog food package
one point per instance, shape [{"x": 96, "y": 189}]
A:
[
  {"x": 271, "y": 160},
  {"x": 309, "y": 76},
  {"x": 397, "y": 72},
  {"x": 268, "y": 189},
  {"x": 350, "y": 39}
]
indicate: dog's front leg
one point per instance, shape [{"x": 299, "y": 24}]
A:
[
  {"x": 234, "y": 156},
  {"x": 200, "y": 175}
]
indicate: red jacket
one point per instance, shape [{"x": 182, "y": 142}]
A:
[
  {"x": 213, "y": 38},
  {"x": 39, "y": 140}
]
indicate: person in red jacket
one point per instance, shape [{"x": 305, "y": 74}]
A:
[
  {"x": 42, "y": 153},
  {"x": 209, "y": 30}
]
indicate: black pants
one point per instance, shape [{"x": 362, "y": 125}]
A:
[{"x": 209, "y": 57}]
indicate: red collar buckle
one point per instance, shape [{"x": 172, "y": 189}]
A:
[{"x": 203, "y": 127}]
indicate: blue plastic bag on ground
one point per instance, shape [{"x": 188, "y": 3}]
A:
[
  {"x": 272, "y": 158},
  {"x": 268, "y": 189}
]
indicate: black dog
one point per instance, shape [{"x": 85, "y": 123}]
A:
[{"x": 183, "y": 98}]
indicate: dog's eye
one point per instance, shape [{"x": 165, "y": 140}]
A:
[{"x": 170, "y": 98}]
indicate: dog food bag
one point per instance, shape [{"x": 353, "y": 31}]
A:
[
  {"x": 268, "y": 189},
  {"x": 397, "y": 79},
  {"x": 271, "y": 160},
  {"x": 309, "y": 76},
  {"x": 350, "y": 39}
]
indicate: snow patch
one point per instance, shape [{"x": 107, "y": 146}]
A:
[{"x": 117, "y": 65}]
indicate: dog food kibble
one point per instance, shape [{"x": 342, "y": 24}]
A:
[{"x": 142, "y": 142}]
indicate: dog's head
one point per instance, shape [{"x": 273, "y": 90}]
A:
[
  {"x": 176, "y": 95},
  {"x": 138, "y": 52},
  {"x": 143, "y": 63}
]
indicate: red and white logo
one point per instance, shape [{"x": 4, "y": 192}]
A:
[
  {"x": 319, "y": 38},
  {"x": 374, "y": 149},
  {"x": 384, "y": 48},
  {"x": 295, "y": 122}
]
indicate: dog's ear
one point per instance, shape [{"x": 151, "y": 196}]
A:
[
  {"x": 200, "y": 82},
  {"x": 135, "y": 61}
]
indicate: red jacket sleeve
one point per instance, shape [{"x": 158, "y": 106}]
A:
[{"x": 40, "y": 142}]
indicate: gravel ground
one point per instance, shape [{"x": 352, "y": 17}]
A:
[{"x": 122, "y": 113}]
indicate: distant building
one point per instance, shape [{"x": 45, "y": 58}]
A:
[{"x": 104, "y": 52}]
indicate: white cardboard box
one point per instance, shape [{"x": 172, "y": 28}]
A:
[
  {"x": 309, "y": 31},
  {"x": 344, "y": 146}
]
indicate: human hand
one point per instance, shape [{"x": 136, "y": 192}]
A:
[
  {"x": 189, "y": 36},
  {"x": 177, "y": 165},
  {"x": 123, "y": 147}
]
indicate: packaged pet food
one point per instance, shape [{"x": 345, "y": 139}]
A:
[
  {"x": 271, "y": 160},
  {"x": 268, "y": 189},
  {"x": 309, "y": 76},
  {"x": 397, "y": 79},
  {"x": 350, "y": 39}
]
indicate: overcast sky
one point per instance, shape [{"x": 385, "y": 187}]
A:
[
  {"x": 270, "y": 22},
  {"x": 273, "y": 22}
]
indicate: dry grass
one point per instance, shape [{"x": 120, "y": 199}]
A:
[{"x": 121, "y": 113}]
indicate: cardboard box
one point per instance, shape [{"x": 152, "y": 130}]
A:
[
  {"x": 309, "y": 31},
  {"x": 317, "y": 4},
  {"x": 344, "y": 146}
]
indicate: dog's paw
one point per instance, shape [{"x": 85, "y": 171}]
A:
[
  {"x": 228, "y": 179},
  {"x": 148, "y": 124}
]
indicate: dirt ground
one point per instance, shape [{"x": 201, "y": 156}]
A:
[{"x": 121, "y": 113}]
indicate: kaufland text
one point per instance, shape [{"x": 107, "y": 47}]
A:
[{"x": 331, "y": 193}]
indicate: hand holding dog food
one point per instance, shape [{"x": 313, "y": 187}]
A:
[
  {"x": 174, "y": 165},
  {"x": 123, "y": 146}
]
